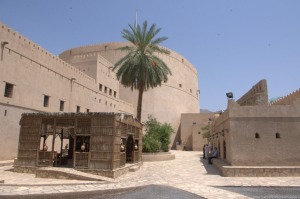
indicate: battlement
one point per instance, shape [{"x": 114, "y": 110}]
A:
[
  {"x": 288, "y": 99},
  {"x": 257, "y": 95},
  {"x": 115, "y": 45},
  {"x": 26, "y": 48}
]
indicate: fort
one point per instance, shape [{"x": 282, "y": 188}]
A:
[
  {"x": 253, "y": 137},
  {"x": 81, "y": 80}
]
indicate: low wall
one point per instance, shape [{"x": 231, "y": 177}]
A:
[
  {"x": 161, "y": 156},
  {"x": 256, "y": 171},
  {"x": 234, "y": 171}
]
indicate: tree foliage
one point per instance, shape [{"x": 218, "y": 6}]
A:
[
  {"x": 206, "y": 131},
  {"x": 141, "y": 68},
  {"x": 157, "y": 137}
]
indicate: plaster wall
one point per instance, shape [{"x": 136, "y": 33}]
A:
[
  {"x": 267, "y": 148},
  {"x": 191, "y": 130},
  {"x": 9, "y": 130}
]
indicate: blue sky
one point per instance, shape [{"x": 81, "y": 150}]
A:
[{"x": 233, "y": 44}]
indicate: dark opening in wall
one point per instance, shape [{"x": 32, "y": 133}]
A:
[
  {"x": 61, "y": 105},
  {"x": 77, "y": 109},
  {"x": 5, "y": 112},
  {"x": 46, "y": 100},
  {"x": 277, "y": 135},
  {"x": 115, "y": 94},
  {"x": 100, "y": 87},
  {"x": 8, "y": 92},
  {"x": 87, "y": 110},
  {"x": 180, "y": 85},
  {"x": 257, "y": 135}
]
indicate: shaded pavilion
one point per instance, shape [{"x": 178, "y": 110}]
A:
[{"x": 99, "y": 143}]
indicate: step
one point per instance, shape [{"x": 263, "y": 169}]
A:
[
  {"x": 134, "y": 168},
  {"x": 68, "y": 173}
]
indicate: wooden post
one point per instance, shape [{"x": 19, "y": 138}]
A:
[{"x": 53, "y": 142}]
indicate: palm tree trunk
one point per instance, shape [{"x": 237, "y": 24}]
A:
[{"x": 140, "y": 103}]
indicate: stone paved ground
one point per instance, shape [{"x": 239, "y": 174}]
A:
[{"x": 187, "y": 172}]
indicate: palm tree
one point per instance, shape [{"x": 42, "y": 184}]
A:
[{"x": 140, "y": 68}]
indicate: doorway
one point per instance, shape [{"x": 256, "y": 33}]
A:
[{"x": 129, "y": 149}]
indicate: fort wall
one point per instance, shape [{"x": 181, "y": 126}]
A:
[
  {"x": 257, "y": 95},
  {"x": 255, "y": 135},
  {"x": 34, "y": 80},
  {"x": 180, "y": 94}
]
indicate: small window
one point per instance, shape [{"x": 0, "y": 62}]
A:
[
  {"x": 277, "y": 135},
  {"x": 77, "y": 109},
  {"x": 191, "y": 91},
  {"x": 180, "y": 85},
  {"x": 115, "y": 94},
  {"x": 87, "y": 110},
  {"x": 105, "y": 89},
  {"x": 8, "y": 92},
  {"x": 257, "y": 135},
  {"x": 100, "y": 87},
  {"x": 99, "y": 100},
  {"x": 110, "y": 92},
  {"x": 61, "y": 105},
  {"x": 5, "y": 112},
  {"x": 106, "y": 103},
  {"x": 46, "y": 100}
]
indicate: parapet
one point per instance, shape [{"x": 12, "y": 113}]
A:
[{"x": 288, "y": 99}]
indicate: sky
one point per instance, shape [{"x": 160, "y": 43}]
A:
[{"x": 233, "y": 44}]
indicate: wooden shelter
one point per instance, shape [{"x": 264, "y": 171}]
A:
[{"x": 95, "y": 142}]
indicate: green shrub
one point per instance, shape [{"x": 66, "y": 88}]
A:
[
  {"x": 157, "y": 136},
  {"x": 151, "y": 145}
]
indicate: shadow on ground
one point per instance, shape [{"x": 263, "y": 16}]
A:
[
  {"x": 145, "y": 192},
  {"x": 210, "y": 168}
]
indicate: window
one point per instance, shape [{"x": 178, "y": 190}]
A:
[
  {"x": 257, "y": 135},
  {"x": 46, "y": 100},
  {"x": 277, "y": 135},
  {"x": 115, "y": 94},
  {"x": 61, "y": 105},
  {"x": 77, "y": 109},
  {"x": 105, "y": 89},
  {"x": 191, "y": 90},
  {"x": 5, "y": 112},
  {"x": 87, "y": 110},
  {"x": 180, "y": 85},
  {"x": 110, "y": 92},
  {"x": 100, "y": 87},
  {"x": 8, "y": 92}
]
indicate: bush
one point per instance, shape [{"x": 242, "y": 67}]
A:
[
  {"x": 157, "y": 136},
  {"x": 151, "y": 145}
]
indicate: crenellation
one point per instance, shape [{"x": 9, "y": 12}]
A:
[{"x": 288, "y": 99}]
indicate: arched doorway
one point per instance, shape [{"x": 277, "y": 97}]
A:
[{"x": 129, "y": 149}]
